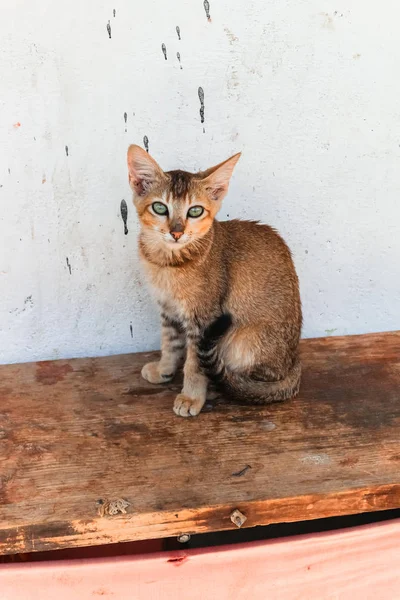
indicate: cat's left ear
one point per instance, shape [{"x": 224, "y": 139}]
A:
[
  {"x": 216, "y": 180},
  {"x": 144, "y": 172}
]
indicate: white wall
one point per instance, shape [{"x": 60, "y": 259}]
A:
[{"x": 309, "y": 91}]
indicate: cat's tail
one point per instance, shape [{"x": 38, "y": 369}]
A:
[
  {"x": 239, "y": 387},
  {"x": 242, "y": 388}
]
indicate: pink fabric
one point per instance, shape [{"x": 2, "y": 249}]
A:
[{"x": 357, "y": 564}]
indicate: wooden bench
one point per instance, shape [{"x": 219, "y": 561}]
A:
[{"x": 92, "y": 454}]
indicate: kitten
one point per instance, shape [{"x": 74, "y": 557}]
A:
[{"x": 228, "y": 291}]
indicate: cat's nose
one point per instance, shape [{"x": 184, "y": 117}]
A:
[{"x": 176, "y": 234}]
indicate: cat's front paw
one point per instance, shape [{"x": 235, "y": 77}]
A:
[
  {"x": 187, "y": 407},
  {"x": 151, "y": 373}
]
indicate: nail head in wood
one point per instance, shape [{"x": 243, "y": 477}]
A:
[{"x": 238, "y": 518}]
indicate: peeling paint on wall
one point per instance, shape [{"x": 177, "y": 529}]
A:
[
  {"x": 201, "y": 98},
  {"x": 124, "y": 215},
  {"x": 206, "y": 5},
  {"x": 28, "y": 304}
]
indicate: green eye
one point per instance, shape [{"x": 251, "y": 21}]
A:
[
  {"x": 159, "y": 208},
  {"x": 195, "y": 211}
]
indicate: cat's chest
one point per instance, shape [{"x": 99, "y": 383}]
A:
[{"x": 173, "y": 289}]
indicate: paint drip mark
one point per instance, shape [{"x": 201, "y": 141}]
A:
[
  {"x": 201, "y": 98},
  {"x": 178, "y": 31},
  {"x": 109, "y": 29},
  {"x": 146, "y": 143},
  {"x": 164, "y": 50},
  {"x": 66, "y": 150},
  {"x": 125, "y": 119},
  {"x": 124, "y": 215},
  {"x": 178, "y": 56},
  {"x": 131, "y": 328},
  {"x": 114, "y": 12},
  {"x": 69, "y": 266},
  {"x": 28, "y": 300},
  {"x": 207, "y": 9}
]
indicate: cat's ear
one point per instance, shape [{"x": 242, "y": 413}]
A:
[
  {"x": 216, "y": 180},
  {"x": 144, "y": 172}
]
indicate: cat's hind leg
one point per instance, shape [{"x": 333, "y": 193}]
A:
[{"x": 261, "y": 364}]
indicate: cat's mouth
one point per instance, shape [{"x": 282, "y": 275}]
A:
[{"x": 176, "y": 245}]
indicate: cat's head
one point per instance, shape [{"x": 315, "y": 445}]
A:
[{"x": 176, "y": 208}]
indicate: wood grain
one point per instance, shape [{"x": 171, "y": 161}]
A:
[{"x": 78, "y": 435}]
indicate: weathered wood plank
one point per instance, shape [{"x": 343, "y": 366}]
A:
[{"x": 73, "y": 433}]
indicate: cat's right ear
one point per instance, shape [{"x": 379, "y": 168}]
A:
[{"x": 144, "y": 172}]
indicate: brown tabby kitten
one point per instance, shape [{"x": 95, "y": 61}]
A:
[{"x": 228, "y": 292}]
